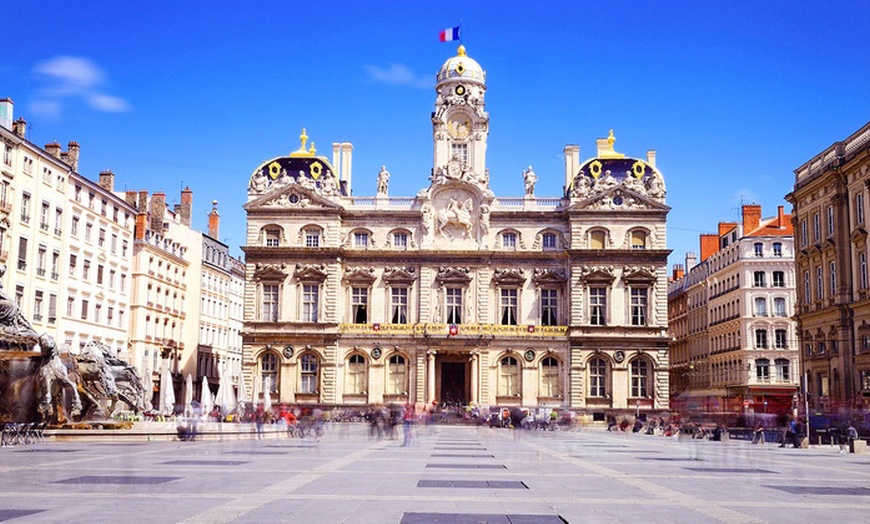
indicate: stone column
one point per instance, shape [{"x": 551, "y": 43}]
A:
[{"x": 430, "y": 382}]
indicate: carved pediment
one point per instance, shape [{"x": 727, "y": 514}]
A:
[
  {"x": 400, "y": 275},
  {"x": 864, "y": 326},
  {"x": 270, "y": 272},
  {"x": 549, "y": 276},
  {"x": 620, "y": 198},
  {"x": 359, "y": 275},
  {"x": 512, "y": 276},
  {"x": 311, "y": 272},
  {"x": 597, "y": 274},
  {"x": 453, "y": 275},
  {"x": 290, "y": 195},
  {"x": 859, "y": 234},
  {"x": 639, "y": 274}
]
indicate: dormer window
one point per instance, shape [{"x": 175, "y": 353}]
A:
[
  {"x": 638, "y": 240},
  {"x": 509, "y": 240},
  {"x": 548, "y": 241},
  {"x": 400, "y": 240},
  {"x": 312, "y": 238}
]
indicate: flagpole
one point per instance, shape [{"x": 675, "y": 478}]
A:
[{"x": 460, "y": 31}]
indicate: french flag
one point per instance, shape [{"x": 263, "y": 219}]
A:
[{"x": 450, "y": 34}]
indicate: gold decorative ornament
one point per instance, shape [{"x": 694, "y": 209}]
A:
[
  {"x": 460, "y": 68},
  {"x": 595, "y": 169},
  {"x": 460, "y": 51},
  {"x": 638, "y": 169},
  {"x": 274, "y": 170},
  {"x": 315, "y": 170},
  {"x": 459, "y": 90}
]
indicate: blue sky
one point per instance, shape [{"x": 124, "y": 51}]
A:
[{"x": 733, "y": 95}]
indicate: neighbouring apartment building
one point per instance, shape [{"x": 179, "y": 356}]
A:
[
  {"x": 456, "y": 295},
  {"x": 833, "y": 309},
  {"x": 733, "y": 345}
]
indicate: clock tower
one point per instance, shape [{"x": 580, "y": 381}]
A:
[{"x": 460, "y": 123}]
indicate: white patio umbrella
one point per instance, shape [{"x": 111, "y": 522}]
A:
[
  {"x": 256, "y": 399},
  {"x": 205, "y": 397},
  {"x": 243, "y": 393},
  {"x": 267, "y": 393},
  {"x": 167, "y": 392},
  {"x": 147, "y": 390},
  {"x": 228, "y": 395},
  {"x": 188, "y": 395}
]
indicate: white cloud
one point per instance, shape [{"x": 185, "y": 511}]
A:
[
  {"x": 74, "y": 78},
  {"x": 398, "y": 74}
]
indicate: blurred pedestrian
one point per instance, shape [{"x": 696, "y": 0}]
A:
[
  {"x": 407, "y": 419},
  {"x": 260, "y": 419}
]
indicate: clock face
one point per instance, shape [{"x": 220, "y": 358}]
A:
[{"x": 459, "y": 126}]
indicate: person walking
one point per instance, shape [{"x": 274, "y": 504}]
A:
[
  {"x": 407, "y": 418},
  {"x": 260, "y": 419}
]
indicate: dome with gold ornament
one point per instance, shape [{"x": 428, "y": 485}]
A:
[
  {"x": 461, "y": 68},
  {"x": 302, "y": 166}
]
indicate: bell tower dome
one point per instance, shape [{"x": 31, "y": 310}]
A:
[{"x": 460, "y": 123}]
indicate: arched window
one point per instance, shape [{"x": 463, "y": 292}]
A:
[
  {"x": 509, "y": 377},
  {"x": 783, "y": 370},
  {"x": 598, "y": 377},
  {"x": 762, "y": 370},
  {"x": 268, "y": 373},
  {"x": 308, "y": 374},
  {"x": 272, "y": 236},
  {"x": 397, "y": 380},
  {"x": 356, "y": 375},
  {"x": 550, "y": 377},
  {"x": 640, "y": 378}
]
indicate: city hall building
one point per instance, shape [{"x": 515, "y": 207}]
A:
[{"x": 455, "y": 295}]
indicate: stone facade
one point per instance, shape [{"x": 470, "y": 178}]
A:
[
  {"x": 830, "y": 200},
  {"x": 455, "y": 295}
]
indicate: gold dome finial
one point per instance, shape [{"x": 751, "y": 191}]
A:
[
  {"x": 304, "y": 138},
  {"x": 302, "y": 151},
  {"x": 311, "y": 149},
  {"x": 460, "y": 51},
  {"x": 611, "y": 139}
]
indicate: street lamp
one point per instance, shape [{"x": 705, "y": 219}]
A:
[{"x": 637, "y": 405}]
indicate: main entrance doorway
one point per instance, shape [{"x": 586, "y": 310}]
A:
[{"x": 453, "y": 385}]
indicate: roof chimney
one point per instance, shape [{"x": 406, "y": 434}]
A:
[
  {"x": 346, "y": 151},
  {"x": 214, "y": 220},
  {"x": 107, "y": 180},
  {"x": 142, "y": 206},
  {"x": 691, "y": 260},
  {"x": 141, "y": 212},
  {"x": 679, "y": 272},
  {"x": 158, "y": 211},
  {"x": 53, "y": 149},
  {"x": 751, "y": 218},
  {"x": 72, "y": 155},
  {"x": 186, "y": 205},
  {"x": 709, "y": 245},
  {"x": 6, "y": 107},
  {"x": 19, "y": 127},
  {"x": 651, "y": 157},
  {"x": 780, "y": 216},
  {"x": 572, "y": 162}
]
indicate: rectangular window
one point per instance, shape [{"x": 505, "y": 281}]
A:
[
  {"x": 760, "y": 307},
  {"x": 22, "y": 253},
  {"x": 777, "y": 249},
  {"x": 359, "y": 300},
  {"x": 779, "y": 307},
  {"x": 509, "y": 307},
  {"x": 400, "y": 240},
  {"x": 312, "y": 238},
  {"x": 759, "y": 249},
  {"x": 783, "y": 371},
  {"x": 124, "y": 248},
  {"x": 101, "y": 241},
  {"x": 86, "y": 269},
  {"x": 7, "y": 155},
  {"x": 270, "y": 303},
  {"x": 509, "y": 240},
  {"x": 399, "y": 299},
  {"x": 40, "y": 261},
  {"x": 110, "y": 316},
  {"x": 58, "y": 221},
  {"x": 804, "y": 232},
  {"x": 830, "y": 221},
  {"x": 361, "y": 239},
  {"x": 25, "y": 208},
  {"x": 598, "y": 306},
  {"x": 52, "y": 308},
  {"x": 459, "y": 152},
  {"x": 817, "y": 227},
  {"x": 832, "y": 274},
  {"x": 758, "y": 279},
  {"x": 99, "y": 274},
  {"x": 454, "y": 305},
  {"x": 114, "y": 247},
  {"x": 862, "y": 262},
  {"x": 123, "y": 285},
  {"x": 778, "y": 279},
  {"x": 820, "y": 284},
  {"x": 762, "y": 370},
  {"x": 70, "y": 306},
  {"x": 98, "y": 310},
  {"x": 859, "y": 208},
  {"x": 548, "y": 241},
  {"x": 638, "y": 306},
  {"x": 44, "y": 213},
  {"x": 74, "y": 227},
  {"x": 84, "y": 309},
  {"x": 310, "y": 302},
  {"x": 780, "y": 341},
  {"x": 88, "y": 228},
  {"x": 807, "y": 297},
  {"x": 273, "y": 238},
  {"x": 37, "y": 306},
  {"x": 760, "y": 339},
  {"x": 549, "y": 307}
]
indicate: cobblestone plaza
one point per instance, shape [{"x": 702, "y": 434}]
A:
[{"x": 448, "y": 474}]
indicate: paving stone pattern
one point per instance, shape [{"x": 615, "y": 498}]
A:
[{"x": 523, "y": 477}]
